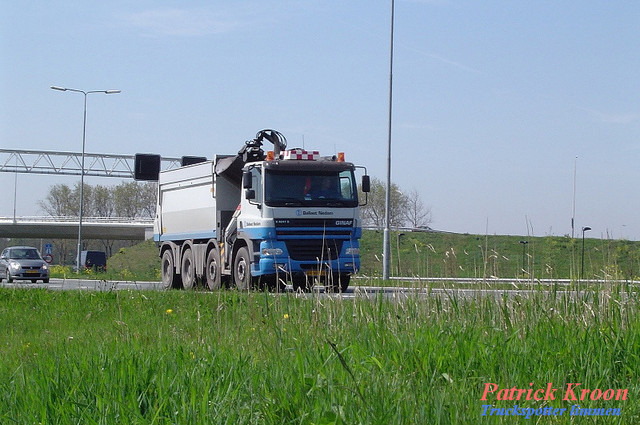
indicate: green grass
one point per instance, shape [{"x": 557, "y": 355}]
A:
[
  {"x": 464, "y": 255},
  {"x": 139, "y": 262},
  {"x": 438, "y": 255},
  {"x": 235, "y": 358}
]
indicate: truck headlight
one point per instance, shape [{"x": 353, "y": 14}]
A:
[
  {"x": 352, "y": 251},
  {"x": 271, "y": 251}
]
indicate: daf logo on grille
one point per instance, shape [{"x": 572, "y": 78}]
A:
[{"x": 344, "y": 222}]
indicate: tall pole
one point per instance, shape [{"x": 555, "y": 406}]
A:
[
  {"x": 584, "y": 229},
  {"x": 84, "y": 138},
  {"x": 524, "y": 243},
  {"x": 15, "y": 191},
  {"x": 573, "y": 212},
  {"x": 84, "y": 134},
  {"x": 387, "y": 205}
]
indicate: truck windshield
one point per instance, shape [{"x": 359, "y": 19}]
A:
[{"x": 316, "y": 189}]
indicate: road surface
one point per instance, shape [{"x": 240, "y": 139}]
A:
[{"x": 359, "y": 291}]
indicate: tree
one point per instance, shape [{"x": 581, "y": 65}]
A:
[
  {"x": 373, "y": 214},
  {"x": 148, "y": 195},
  {"x": 405, "y": 209},
  {"x": 134, "y": 199},
  {"x": 416, "y": 213},
  {"x": 59, "y": 202},
  {"x": 102, "y": 201}
]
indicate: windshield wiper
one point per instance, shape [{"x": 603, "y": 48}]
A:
[{"x": 288, "y": 202}]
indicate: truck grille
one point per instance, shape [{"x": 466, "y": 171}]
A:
[{"x": 314, "y": 249}]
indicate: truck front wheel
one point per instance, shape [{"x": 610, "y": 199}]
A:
[
  {"x": 169, "y": 277},
  {"x": 188, "y": 270},
  {"x": 242, "y": 269},
  {"x": 341, "y": 282},
  {"x": 214, "y": 279}
]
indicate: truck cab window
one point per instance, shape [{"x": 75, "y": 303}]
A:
[{"x": 256, "y": 183}]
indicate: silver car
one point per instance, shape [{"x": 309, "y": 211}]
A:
[{"x": 24, "y": 263}]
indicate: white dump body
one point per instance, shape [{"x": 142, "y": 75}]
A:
[{"x": 191, "y": 201}]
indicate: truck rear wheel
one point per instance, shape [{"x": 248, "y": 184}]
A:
[
  {"x": 188, "y": 270},
  {"x": 212, "y": 271},
  {"x": 242, "y": 269},
  {"x": 169, "y": 277}
]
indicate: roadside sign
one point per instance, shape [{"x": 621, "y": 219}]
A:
[
  {"x": 48, "y": 258},
  {"x": 48, "y": 249}
]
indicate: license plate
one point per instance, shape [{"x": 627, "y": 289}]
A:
[
  {"x": 316, "y": 273},
  {"x": 33, "y": 272}
]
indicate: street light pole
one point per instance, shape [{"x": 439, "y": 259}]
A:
[
  {"x": 524, "y": 243},
  {"x": 84, "y": 134},
  {"x": 584, "y": 229},
  {"x": 386, "y": 248}
]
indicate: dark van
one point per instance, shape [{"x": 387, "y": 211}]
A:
[{"x": 96, "y": 260}]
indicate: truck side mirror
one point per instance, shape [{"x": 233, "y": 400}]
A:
[
  {"x": 246, "y": 181},
  {"x": 250, "y": 194},
  {"x": 366, "y": 184}
]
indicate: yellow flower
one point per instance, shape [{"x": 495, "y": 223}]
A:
[
  {"x": 169, "y": 311},
  {"x": 286, "y": 316}
]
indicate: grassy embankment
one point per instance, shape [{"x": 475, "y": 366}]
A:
[
  {"x": 462, "y": 255},
  {"x": 447, "y": 255},
  {"x": 234, "y": 358}
]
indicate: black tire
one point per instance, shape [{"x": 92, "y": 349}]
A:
[
  {"x": 188, "y": 269},
  {"x": 213, "y": 270},
  {"x": 340, "y": 282},
  {"x": 169, "y": 278},
  {"x": 278, "y": 284},
  {"x": 45, "y": 280},
  {"x": 300, "y": 282},
  {"x": 271, "y": 283},
  {"x": 9, "y": 278},
  {"x": 242, "y": 269},
  {"x": 34, "y": 280}
]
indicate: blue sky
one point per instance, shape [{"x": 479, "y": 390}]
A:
[{"x": 493, "y": 100}]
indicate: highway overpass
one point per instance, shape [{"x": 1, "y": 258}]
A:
[{"x": 67, "y": 228}]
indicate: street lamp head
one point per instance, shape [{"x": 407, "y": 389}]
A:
[
  {"x": 524, "y": 242},
  {"x": 586, "y": 228},
  {"x": 85, "y": 92}
]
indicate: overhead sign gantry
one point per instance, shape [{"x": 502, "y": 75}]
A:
[{"x": 69, "y": 163}]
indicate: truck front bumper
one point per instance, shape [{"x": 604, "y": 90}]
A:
[{"x": 274, "y": 258}]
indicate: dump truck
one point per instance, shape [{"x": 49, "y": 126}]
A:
[{"x": 260, "y": 219}]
